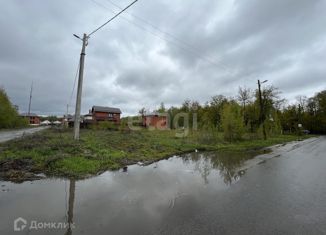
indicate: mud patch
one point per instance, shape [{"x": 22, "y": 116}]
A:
[
  {"x": 16, "y": 164},
  {"x": 18, "y": 170}
]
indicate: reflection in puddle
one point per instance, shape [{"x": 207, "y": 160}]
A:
[
  {"x": 226, "y": 163},
  {"x": 70, "y": 212},
  {"x": 135, "y": 200}
]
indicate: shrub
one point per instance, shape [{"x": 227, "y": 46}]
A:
[
  {"x": 232, "y": 122},
  {"x": 106, "y": 125}
]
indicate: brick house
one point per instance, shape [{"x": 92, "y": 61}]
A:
[
  {"x": 156, "y": 120},
  {"x": 33, "y": 118},
  {"x": 100, "y": 113}
]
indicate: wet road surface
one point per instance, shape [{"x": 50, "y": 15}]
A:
[
  {"x": 201, "y": 193},
  {"x": 13, "y": 134}
]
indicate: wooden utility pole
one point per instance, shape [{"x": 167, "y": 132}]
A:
[
  {"x": 66, "y": 119},
  {"x": 262, "y": 111},
  {"x": 30, "y": 100},
  {"x": 80, "y": 88},
  {"x": 81, "y": 70}
]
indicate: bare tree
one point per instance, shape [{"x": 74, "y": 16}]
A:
[
  {"x": 244, "y": 96},
  {"x": 142, "y": 111},
  {"x": 302, "y": 101}
]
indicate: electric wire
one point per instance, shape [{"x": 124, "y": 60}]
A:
[
  {"x": 94, "y": 31},
  {"x": 73, "y": 88},
  {"x": 179, "y": 45},
  {"x": 168, "y": 34},
  {"x": 190, "y": 48},
  {"x": 172, "y": 39}
]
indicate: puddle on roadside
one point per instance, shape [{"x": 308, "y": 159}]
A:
[{"x": 138, "y": 198}]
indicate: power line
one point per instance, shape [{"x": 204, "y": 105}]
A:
[
  {"x": 77, "y": 71},
  {"x": 181, "y": 45},
  {"x": 73, "y": 88},
  {"x": 162, "y": 31},
  {"x": 94, "y": 31},
  {"x": 152, "y": 25}
]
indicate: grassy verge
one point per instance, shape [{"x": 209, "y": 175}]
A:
[{"x": 54, "y": 152}]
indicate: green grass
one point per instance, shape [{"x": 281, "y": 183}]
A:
[{"x": 54, "y": 152}]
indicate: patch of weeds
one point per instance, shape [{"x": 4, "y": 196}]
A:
[
  {"x": 56, "y": 153},
  {"x": 75, "y": 166}
]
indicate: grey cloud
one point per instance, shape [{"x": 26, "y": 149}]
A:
[
  {"x": 223, "y": 45},
  {"x": 146, "y": 79}
]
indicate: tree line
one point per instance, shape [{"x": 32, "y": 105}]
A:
[{"x": 254, "y": 114}]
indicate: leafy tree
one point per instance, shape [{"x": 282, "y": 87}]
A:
[
  {"x": 315, "y": 118},
  {"x": 311, "y": 112},
  {"x": 9, "y": 117},
  {"x": 273, "y": 123},
  {"x": 252, "y": 116},
  {"x": 232, "y": 122},
  {"x": 289, "y": 119},
  {"x": 244, "y": 97},
  {"x": 162, "y": 108},
  {"x": 215, "y": 109},
  {"x": 270, "y": 101},
  {"x": 225, "y": 114}
]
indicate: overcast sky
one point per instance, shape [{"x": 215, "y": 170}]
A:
[{"x": 159, "y": 50}]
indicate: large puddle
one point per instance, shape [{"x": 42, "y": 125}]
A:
[{"x": 137, "y": 201}]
